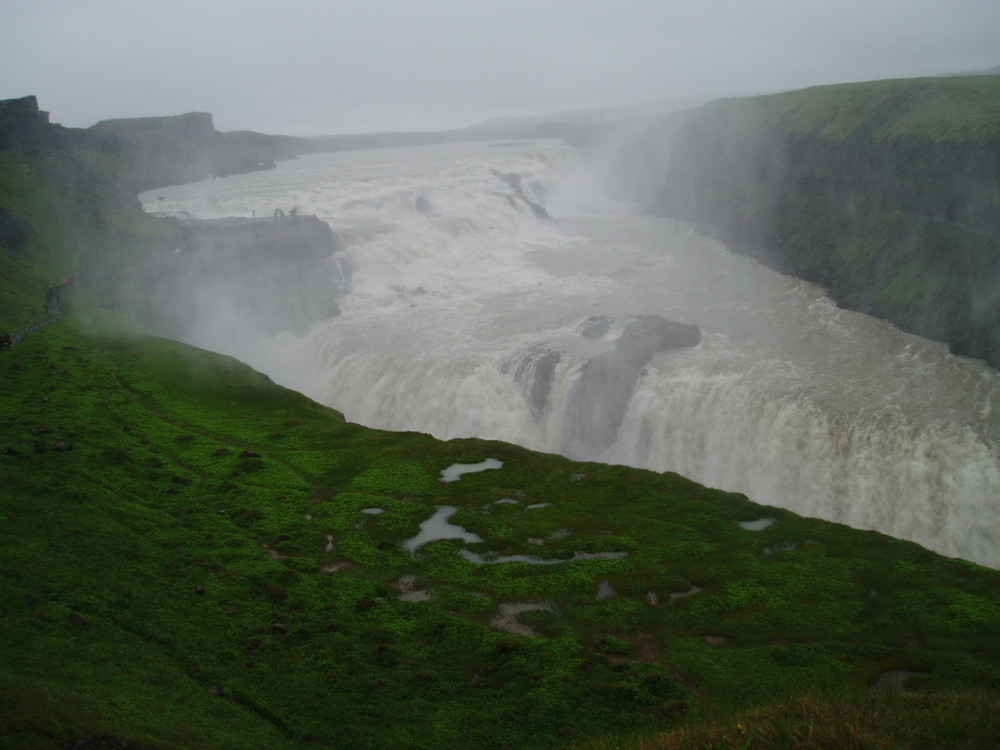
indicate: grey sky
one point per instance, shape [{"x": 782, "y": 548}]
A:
[{"x": 313, "y": 67}]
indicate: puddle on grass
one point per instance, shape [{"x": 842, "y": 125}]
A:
[
  {"x": 438, "y": 527},
  {"x": 492, "y": 558},
  {"x": 605, "y": 590},
  {"x": 783, "y": 547},
  {"x": 372, "y": 511},
  {"x": 454, "y": 472},
  {"x": 507, "y": 619},
  {"x": 408, "y": 592},
  {"x": 759, "y": 525},
  {"x": 684, "y": 594}
]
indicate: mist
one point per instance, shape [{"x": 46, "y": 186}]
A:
[
  {"x": 311, "y": 68},
  {"x": 604, "y": 333}
]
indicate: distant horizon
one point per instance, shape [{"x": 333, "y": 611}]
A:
[
  {"x": 667, "y": 105},
  {"x": 312, "y": 68}
]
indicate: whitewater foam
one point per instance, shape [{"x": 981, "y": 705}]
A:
[{"x": 787, "y": 398}]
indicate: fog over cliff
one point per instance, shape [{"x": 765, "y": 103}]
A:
[{"x": 306, "y": 67}]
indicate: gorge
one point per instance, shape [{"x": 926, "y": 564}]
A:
[{"x": 195, "y": 556}]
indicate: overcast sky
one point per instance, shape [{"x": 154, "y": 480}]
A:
[{"x": 307, "y": 67}]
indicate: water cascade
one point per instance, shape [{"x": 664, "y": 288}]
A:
[{"x": 592, "y": 330}]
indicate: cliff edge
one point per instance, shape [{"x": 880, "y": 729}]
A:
[{"x": 886, "y": 193}]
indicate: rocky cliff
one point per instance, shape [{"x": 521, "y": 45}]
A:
[
  {"x": 158, "y": 151},
  {"x": 886, "y": 193},
  {"x": 234, "y": 281},
  {"x": 68, "y": 209}
]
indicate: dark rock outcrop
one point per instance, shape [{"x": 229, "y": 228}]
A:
[
  {"x": 534, "y": 370},
  {"x": 606, "y": 382},
  {"x": 158, "y": 151},
  {"x": 513, "y": 180},
  {"x": 239, "y": 280}
]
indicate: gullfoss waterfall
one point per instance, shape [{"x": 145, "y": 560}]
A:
[{"x": 497, "y": 292}]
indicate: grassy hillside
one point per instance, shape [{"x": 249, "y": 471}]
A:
[
  {"x": 887, "y": 193},
  {"x": 195, "y": 570}
]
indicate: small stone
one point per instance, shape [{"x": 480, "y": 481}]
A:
[
  {"x": 63, "y": 445},
  {"x": 249, "y": 454}
]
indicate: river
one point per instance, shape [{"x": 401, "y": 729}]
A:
[{"x": 465, "y": 320}]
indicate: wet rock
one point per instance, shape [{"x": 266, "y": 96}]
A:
[
  {"x": 534, "y": 370},
  {"x": 606, "y": 382},
  {"x": 595, "y": 327},
  {"x": 63, "y": 445},
  {"x": 646, "y": 335}
]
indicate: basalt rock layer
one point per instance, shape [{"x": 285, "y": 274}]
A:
[{"x": 886, "y": 193}]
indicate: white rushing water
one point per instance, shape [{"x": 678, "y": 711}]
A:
[{"x": 465, "y": 315}]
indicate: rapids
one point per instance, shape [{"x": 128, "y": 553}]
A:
[{"x": 465, "y": 320}]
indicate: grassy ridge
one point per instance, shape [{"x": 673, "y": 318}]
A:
[
  {"x": 196, "y": 572},
  {"x": 960, "y": 110}
]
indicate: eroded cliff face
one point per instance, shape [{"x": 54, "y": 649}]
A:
[
  {"x": 230, "y": 282},
  {"x": 158, "y": 151},
  {"x": 68, "y": 210},
  {"x": 887, "y": 194}
]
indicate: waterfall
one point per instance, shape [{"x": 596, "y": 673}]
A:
[{"x": 475, "y": 314}]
